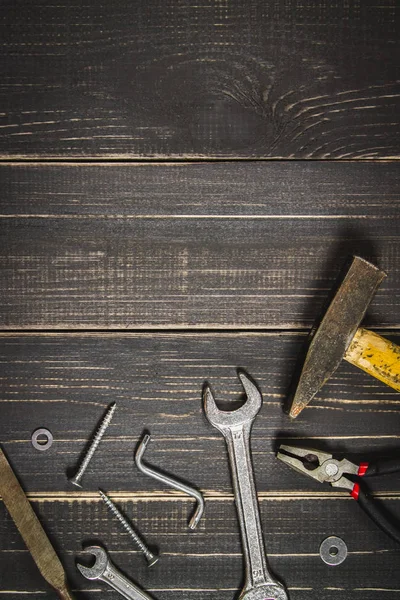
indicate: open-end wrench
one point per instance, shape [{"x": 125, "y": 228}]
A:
[
  {"x": 236, "y": 426},
  {"x": 104, "y": 570}
]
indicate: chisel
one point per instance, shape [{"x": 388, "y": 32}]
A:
[{"x": 31, "y": 530}]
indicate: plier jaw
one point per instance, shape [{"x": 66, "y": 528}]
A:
[
  {"x": 325, "y": 469},
  {"x": 318, "y": 465}
]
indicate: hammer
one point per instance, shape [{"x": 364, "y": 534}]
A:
[{"x": 339, "y": 336}]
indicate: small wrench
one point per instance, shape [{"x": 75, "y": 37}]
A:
[
  {"x": 236, "y": 426},
  {"x": 104, "y": 570}
]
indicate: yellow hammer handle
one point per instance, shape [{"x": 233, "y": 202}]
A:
[{"x": 375, "y": 355}]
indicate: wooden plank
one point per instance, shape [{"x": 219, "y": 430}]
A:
[
  {"x": 227, "y": 245},
  {"x": 65, "y": 381},
  {"x": 349, "y": 593},
  {"x": 208, "y": 563},
  {"x": 215, "y": 79}
]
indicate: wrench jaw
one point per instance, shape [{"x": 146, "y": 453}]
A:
[
  {"x": 210, "y": 408},
  {"x": 223, "y": 419},
  {"x": 100, "y": 564},
  {"x": 254, "y": 398}
]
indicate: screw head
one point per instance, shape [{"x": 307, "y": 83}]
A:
[
  {"x": 152, "y": 560},
  {"x": 75, "y": 481}
]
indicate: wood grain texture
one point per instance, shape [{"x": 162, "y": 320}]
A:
[
  {"x": 210, "y": 265},
  {"x": 208, "y": 563},
  {"x": 238, "y": 79},
  {"x": 227, "y": 245},
  {"x": 64, "y": 381}
]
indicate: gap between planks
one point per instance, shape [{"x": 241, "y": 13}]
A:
[{"x": 209, "y": 496}]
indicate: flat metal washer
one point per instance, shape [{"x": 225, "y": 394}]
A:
[
  {"x": 42, "y": 445},
  {"x": 333, "y": 550}
]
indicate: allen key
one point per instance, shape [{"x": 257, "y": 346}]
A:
[{"x": 170, "y": 481}]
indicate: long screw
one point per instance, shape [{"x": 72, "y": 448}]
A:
[
  {"x": 92, "y": 448},
  {"x": 150, "y": 557}
]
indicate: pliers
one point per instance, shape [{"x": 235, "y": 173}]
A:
[{"x": 325, "y": 469}]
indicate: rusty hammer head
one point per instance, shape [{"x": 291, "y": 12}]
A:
[{"x": 328, "y": 342}]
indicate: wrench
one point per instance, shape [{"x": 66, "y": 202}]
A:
[
  {"x": 104, "y": 570},
  {"x": 236, "y": 426}
]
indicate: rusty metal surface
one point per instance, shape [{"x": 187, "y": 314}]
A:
[
  {"x": 331, "y": 339},
  {"x": 31, "y": 530}
]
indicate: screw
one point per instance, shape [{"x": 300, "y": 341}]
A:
[
  {"x": 96, "y": 441},
  {"x": 151, "y": 558}
]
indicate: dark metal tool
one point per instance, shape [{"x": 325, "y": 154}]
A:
[
  {"x": 325, "y": 469},
  {"x": 31, "y": 530},
  {"x": 339, "y": 336}
]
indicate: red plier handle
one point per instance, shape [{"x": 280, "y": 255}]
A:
[{"x": 367, "y": 502}]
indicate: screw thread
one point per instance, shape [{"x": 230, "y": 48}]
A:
[
  {"x": 96, "y": 441},
  {"x": 141, "y": 545}
]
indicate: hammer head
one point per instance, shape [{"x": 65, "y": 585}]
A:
[{"x": 328, "y": 342}]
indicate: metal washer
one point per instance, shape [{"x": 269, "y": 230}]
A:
[
  {"x": 333, "y": 550},
  {"x": 45, "y": 445}
]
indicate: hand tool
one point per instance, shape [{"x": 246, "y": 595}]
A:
[
  {"x": 31, "y": 530},
  {"x": 325, "y": 469},
  {"x": 236, "y": 426},
  {"x": 104, "y": 570},
  {"x": 150, "y": 557},
  {"x": 339, "y": 336},
  {"x": 171, "y": 481},
  {"x": 92, "y": 448}
]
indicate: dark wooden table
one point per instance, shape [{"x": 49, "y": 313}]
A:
[{"x": 180, "y": 186}]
